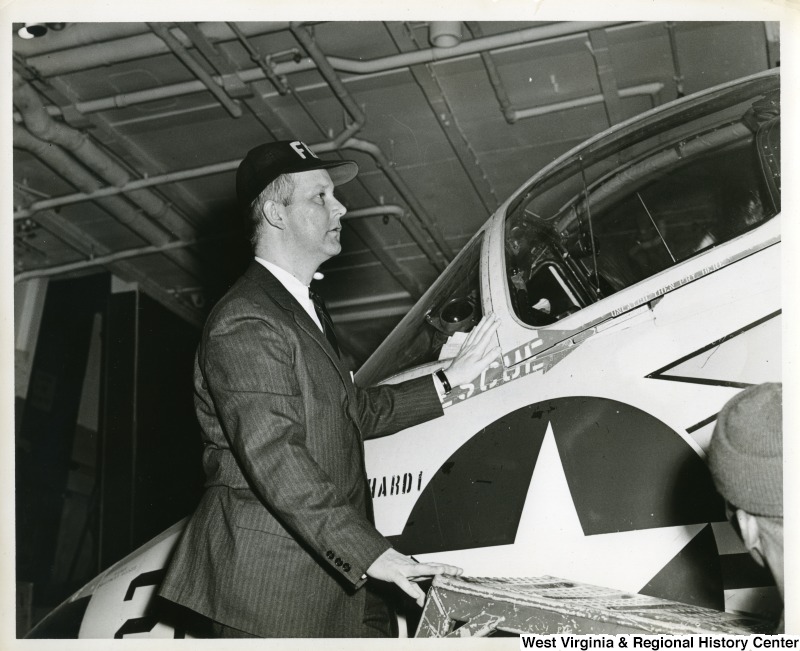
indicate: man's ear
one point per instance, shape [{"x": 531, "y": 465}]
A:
[
  {"x": 751, "y": 535},
  {"x": 274, "y": 214}
]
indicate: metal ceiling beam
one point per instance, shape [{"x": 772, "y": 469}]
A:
[
  {"x": 410, "y": 284},
  {"x": 233, "y": 84},
  {"x": 88, "y": 246},
  {"x": 196, "y": 69},
  {"x": 335, "y": 84},
  {"x": 407, "y": 281},
  {"x": 411, "y": 225},
  {"x": 50, "y": 152},
  {"x": 118, "y": 208},
  {"x": 650, "y": 89},
  {"x": 57, "y": 160},
  {"x": 82, "y": 34},
  {"x": 598, "y": 46},
  {"x": 472, "y": 47},
  {"x": 493, "y": 74},
  {"x": 115, "y": 44},
  {"x": 382, "y": 66},
  {"x": 108, "y": 191},
  {"x": 44, "y": 127},
  {"x": 438, "y": 259},
  {"x": 429, "y": 84},
  {"x": 99, "y": 261},
  {"x": 105, "y": 54}
]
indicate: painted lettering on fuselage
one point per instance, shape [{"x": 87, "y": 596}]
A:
[{"x": 389, "y": 485}]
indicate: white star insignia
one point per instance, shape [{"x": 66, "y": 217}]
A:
[{"x": 550, "y": 540}]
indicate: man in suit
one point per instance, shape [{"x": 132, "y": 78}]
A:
[{"x": 282, "y": 543}]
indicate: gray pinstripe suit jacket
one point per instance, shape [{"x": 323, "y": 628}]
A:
[{"x": 282, "y": 535}]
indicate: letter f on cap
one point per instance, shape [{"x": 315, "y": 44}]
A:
[{"x": 302, "y": 149}]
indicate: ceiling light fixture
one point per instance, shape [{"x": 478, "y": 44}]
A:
[{"x": 35, "y": 30}]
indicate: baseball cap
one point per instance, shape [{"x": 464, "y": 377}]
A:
[{"x": 265, "y": 163}]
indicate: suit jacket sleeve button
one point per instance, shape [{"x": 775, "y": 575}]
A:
[
  {"x": 338, "y": 562},
  {"x": 346, "y": 567},
  {"x": 329, "y": 554}
]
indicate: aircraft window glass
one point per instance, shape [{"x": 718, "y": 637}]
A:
[
  {"x": 639, "y": 211},
  {"x": 437, "y": 324}
]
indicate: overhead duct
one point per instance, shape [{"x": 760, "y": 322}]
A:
[
  {"x": 78, "y": 48},
  {"x": 99, "y": 261},
  {"x": 102, "y": 54},
  {"x": 375, "y": 66},
  {"x": 414, "y": 225},
  {"x": 65, "y": 166},
  {"x": 335, "y": 84},
  {"x": 48, "y": 134},
  {"x": 85, "y": 244},
  {"x": 42, "y": 125}
]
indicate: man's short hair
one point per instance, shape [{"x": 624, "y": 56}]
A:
[{"x": 280, "y": 191}]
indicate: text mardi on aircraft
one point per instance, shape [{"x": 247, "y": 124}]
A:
[{"x": 637, "y": 280}]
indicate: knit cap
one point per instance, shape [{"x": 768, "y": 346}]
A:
[{"x": 746, "y": 452}]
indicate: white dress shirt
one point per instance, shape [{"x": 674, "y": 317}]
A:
[
  {"x": 300, "y": 292},
  {"x": 294, "y": 287}
]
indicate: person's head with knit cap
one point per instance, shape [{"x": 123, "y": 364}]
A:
[{"x": 746, "y": 461}]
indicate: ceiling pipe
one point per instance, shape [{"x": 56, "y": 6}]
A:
[
  {"x": 278, "y": 82},
  {"x": 228, "y": 166},
  {"x": 387, "y": 210},
  {"x": 494, "y": 76},
  {"x": 345, "y": 139},
  {"x": 676, "y": 64},
  {"x": 378, "y": 248},
  {"x": 84, "y": 34},
  {"x": 87, "y": 245},
  {"x": 55, "y": 158},
  {"x": 109, "y": 48},
  {"x": 407, "y": 281},
  {"x": 99, "y": 261},
  {"x": 64, "y": 165},
  {"x": 420, "y": 216},
  {"x": 384, "y": 65},
  {"x": 196, "y": 69},
  {"x": 105, "y": 54},
  {"x": 633, "y": 91},
  {"x": 138, "y": 184},
  {"x": 42, "y": 125},
  {"x": 336, "y": 85},
  {"x": 466, "y": 48}
]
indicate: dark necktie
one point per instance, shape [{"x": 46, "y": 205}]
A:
[{"x": 324, "y": 319}]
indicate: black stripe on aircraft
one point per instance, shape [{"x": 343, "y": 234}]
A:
[
  {"x": 687, "y": 574},
  {"x": 741, "y": 571},
  {"x": 702, "y": 423},
  {"x": 660, "y": 373}
]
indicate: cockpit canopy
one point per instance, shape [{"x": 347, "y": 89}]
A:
[{"x": 629, "y": 203}]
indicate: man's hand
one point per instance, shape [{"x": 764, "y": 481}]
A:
[
  {"x": 478, "y": 352},
  {"x": 402, "y": 570}
]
